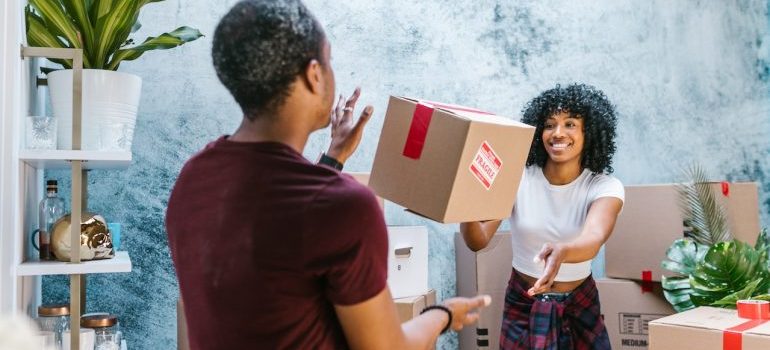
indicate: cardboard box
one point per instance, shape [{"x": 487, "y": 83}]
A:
[
  {"x": 628, "y": 307},
  {"x": 449, "y": 163},
  {"x": 484, "y": 272},
  {"x": 410, "y": 307},
  {"x": 363, "y": 178},
  {"x": 407, "y": 260},
  {"x": 651, "y": 221},
  {"x": 703, "y": 328}
]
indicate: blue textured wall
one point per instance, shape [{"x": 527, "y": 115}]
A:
[{"x": 690, "y": 80}]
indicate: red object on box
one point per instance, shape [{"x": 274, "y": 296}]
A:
[
  {"x": 418, "y": 129},
  {"x": 647, "y": 283},
  {"x": 726, "y": 188},
  {"x": 758, "y": 312}
]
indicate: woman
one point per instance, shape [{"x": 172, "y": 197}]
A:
[{"x": 565, "y": 210}]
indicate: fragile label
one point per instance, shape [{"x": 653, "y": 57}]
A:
[{"x": 486, "y": 165}]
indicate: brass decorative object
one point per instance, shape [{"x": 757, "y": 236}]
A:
[{"x": 95, "y": 238}]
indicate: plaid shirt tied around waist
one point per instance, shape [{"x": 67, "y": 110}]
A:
[{"x": 571, "y": 322}]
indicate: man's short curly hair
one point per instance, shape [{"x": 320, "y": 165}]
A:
[
  {"x": 580, "y": 101},
  {"x": 259, "y": 48}
]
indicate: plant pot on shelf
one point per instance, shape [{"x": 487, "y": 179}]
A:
[{"x": 110, "y": 104}]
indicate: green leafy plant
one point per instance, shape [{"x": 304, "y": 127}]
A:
[
  {"x": 100, "y": 27},
  {"x": 706, "y": 218},
  {"x": 712, "y": 268},
  {"x": 718, "y": 275}
]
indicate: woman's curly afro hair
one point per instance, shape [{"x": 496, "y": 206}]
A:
[{"x": 580, "y": 101}]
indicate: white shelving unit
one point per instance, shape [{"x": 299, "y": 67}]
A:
[
  {"x": 26, "y": 269},
  {"x": 120, "y": 263},
  {"x": 21, "y": 178},
  {"x": 60, "y": 159}
]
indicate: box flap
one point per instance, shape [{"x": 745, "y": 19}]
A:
[
  {"x": 469, "y": 113},
  {"x": 488, "y": 118},
  {"x": 703, "y": 317}
]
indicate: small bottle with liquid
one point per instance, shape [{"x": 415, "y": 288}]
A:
[{"x": 51, "y": 209}]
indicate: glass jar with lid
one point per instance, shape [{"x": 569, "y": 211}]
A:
[
  {"x": 54, "y": 318},
  {"x": 108, "y": 335}
]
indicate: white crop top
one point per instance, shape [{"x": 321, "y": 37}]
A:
[{"x": 554, "y": 213}]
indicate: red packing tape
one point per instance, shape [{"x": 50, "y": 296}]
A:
[
  {"x": 725, "y": 188},
  {"x": 754, "y": 309},
  {"x": 418, "y": 130},
  {"x": 647, "y": 284},
  {"x": 757, "y": 311}
]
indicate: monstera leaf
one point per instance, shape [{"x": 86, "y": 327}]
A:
[
  {"x": 717, "y": 276},
  {"x": 729, "y": 268},
  {"x": 677, "y": 291},
  {"x": 746, "y": 293},
  {"x": 683, "y": 257}
]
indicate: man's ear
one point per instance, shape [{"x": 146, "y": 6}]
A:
[{"x": 313, "y": 76}]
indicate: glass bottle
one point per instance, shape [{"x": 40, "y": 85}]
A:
[{"x": 51, "y": 209}]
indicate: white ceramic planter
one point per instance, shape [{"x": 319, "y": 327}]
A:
[{"x": 110, "y": 103}]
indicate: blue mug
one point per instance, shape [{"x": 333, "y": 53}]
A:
[{"x": 114, "y": 228}]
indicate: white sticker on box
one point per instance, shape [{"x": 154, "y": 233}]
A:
[{"x": 486, "y": 165}]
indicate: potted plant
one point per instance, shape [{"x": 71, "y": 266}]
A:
[
  {"x": 101, "y": 28},
  {"x": 713, "y": 268}
]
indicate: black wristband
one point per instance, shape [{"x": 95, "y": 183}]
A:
[
  {"x": 326, "y": 160},
  {"x": 443, "y": 308}
]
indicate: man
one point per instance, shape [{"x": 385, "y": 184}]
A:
[{"x": 271, "y": 251}]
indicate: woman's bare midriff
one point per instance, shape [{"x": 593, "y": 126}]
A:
[{"x": 557, "y": 287}]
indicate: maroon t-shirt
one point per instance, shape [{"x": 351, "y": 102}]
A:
[{"x": 265, "y": 243}]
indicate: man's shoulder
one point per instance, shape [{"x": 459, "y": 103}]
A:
[{"x": 344, "y": 187}]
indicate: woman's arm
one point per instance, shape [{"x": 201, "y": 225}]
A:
[
  {"x": 600, "y": 221},
  {"x": 477, "y": 234}
]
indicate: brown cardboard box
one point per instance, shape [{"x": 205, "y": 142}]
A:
[
  {"x": 410, "y": 307},
  {"x": 651, "y": 220},
  {"x": 363, "y": 178},
  {"x": 702, "y": 328},
  {"x": 449, "y": 165},
  {"x": 484, "y": 272},
  {"x": 627, "y": 309}
]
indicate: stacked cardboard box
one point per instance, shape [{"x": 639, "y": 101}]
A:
[
  {"x": 650, "y": 222},
  {"x": 484, "y": 272},
  {"x": 627, "y": 308},
  {"x": 410, "y": 307}
]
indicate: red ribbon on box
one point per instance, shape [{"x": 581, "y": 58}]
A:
[
  {"x": 726, "y": 188},
  {"x": 647, "y": 285},
  {"x": 418, "y": 129},
  {"x": 757, "y": 311}
]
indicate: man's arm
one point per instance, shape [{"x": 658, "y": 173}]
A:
[{"x": 374, "y": 324}]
